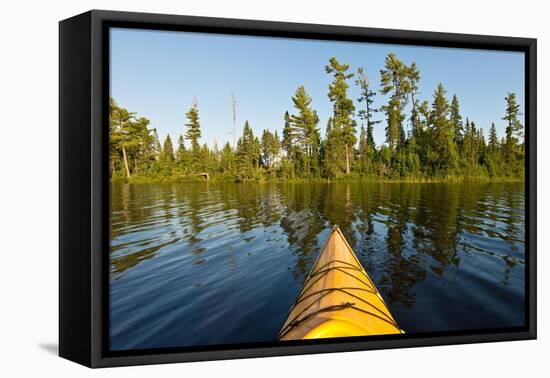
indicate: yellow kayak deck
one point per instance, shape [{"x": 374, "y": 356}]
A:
[{"x": 338, "y": 298}]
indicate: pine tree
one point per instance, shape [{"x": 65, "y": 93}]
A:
[
  {"x": 394, "y": 79},
  {"x": 366, "y": 151},
  {"x": 267, "y": 141},
  {"x": 367, "y": 97},
  {"x": 166, "y": 157},
  {"x": 493, "y": 138},
  {"x": 193, "y": 133},
  {"x": 227, "y": 160},
  {"x": 168, "y": 148},
  {"x": 142, "y": 154},
  {"x": 343, "y": 108},
  {"x": 494, "y": 157},
  {"x": 413, "y": 77},
  {"x": 155, "y": 143},
  {"x": 304, "y": 132},
  {"x": 456, "y": 120},
  {"x": 287, "y": 136},
  {"x": 120, "y": 130},
  {"x": 248, "y": 153},
  {"x": 276, "y": 151},
  {"x": 442, "y": 143},
  {"x": 332, "y": 151},
  {"x": 288, "y": 147},
  {"x": 513, "y": 130},
  {"x": 181, "y": 149},
  {"x": 183, "y": 158}
]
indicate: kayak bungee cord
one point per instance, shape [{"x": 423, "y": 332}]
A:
[{"x": 338, "y": 298}]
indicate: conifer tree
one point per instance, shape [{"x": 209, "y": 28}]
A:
[
  {"x": 493, "y": 138},
  {"x": 494, "y": 157},
  {"x": 124, "y": 131},
  {"x": 268, "y": 149},
  {"x": 413, "y": 78},
  {"x": 181, "y": 149},
  {"x": 513, "y": 129},
  {"x": 183, "y": 159},
  {"x": 442, "y": 141},
  {"x": 332, "y": 151},
  {"x": 155, "y": 143},
  {"x": 366, "y": 96},
  {"x": 304, "y": 131},
  {"x": 394, "y": 79},
  {"x": 193, "y": 133},
  {"x": 227, "y": 160},
  {"x": 248, "y": 153},
  {"x": 456, "y": 120},
  {"x": 343, "y": 108}
]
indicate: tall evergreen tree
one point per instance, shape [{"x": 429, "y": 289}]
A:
[
  {"x": 513, "y": 129},
  {"x": 142, "y": 153},
  {"x": 180, "y": 152},
  {"x": 394, "y": 79},
  {"x": 270, "y": 148},
  {"x": 442, "y": 143},
  {"x": 288, "y": 140},
  {"x": 227, "y": 160},
  {"x": 183, "y": 159},
  {"x": 493, "y": 138},
  {"x": 456, "y": 120},
  {"x": 193, "y": 133},
  {"x": 343, "y": 108},
  {"x": 155, "y": 143},
  {"x": 494, "y": 157},
  {"x": 366, "y": 96},
  {"x": 366, "y": 151},
  {"x": 413, "y": 78},
  {"x": 304, "y": 131},
  {"x": 248, "y": 153},
  {"x": 166, "y": 157},
  {"x": 332, "y": 151},
  {"x": 168, "y": 149},
  {"x": 124, "y": 131}
]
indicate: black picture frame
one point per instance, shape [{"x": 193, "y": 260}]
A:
[{"x": 84, "y": 187}]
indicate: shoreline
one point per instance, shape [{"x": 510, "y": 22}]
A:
[{"x": 363, "y": 180}]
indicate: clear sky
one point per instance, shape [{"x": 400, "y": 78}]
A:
[{"x": 157, "y": 74}]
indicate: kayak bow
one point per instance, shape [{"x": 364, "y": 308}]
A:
[{"x": 338, "y": 298}]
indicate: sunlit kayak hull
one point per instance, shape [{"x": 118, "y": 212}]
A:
[{"x": 338, "y": 299}]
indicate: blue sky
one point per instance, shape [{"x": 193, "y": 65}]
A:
[{"x": 157, "y": 74}]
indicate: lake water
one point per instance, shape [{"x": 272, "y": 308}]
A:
[{"x": 208, "y": 263}]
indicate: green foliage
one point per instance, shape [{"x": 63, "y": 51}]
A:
[
  {"x": 270, "y": 150},
  {"x": 303, "y": 135},
  {"x": 456, "y": 120},
  {"x": 438, "y": 145},
  {"x": 513, "y": 151},
  {"x": 166, "y": 157},
  {"x": 193, "y": 133},
  {"x": 248, "y": 154},
  {"x": 444, "y": 156},
  {"x": 342, "y": 123},
  {"x": 394, "y": 80}
]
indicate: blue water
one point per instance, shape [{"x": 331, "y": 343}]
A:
[{"x": 205, "y": 263}]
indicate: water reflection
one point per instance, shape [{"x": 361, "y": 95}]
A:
[{"x": 438, "y": 252}]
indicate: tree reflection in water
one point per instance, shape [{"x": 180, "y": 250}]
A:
[{"x": 404, "y": 234}]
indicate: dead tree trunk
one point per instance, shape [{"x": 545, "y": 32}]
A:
[{"x": 125, "y": 161}]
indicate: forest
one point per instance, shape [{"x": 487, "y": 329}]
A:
[{"x": 431, "y": 142}]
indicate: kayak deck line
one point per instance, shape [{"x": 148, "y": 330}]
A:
[{"x": 338, "y": 298}]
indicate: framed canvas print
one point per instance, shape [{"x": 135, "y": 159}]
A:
[{"x": 234, "y": 188}]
